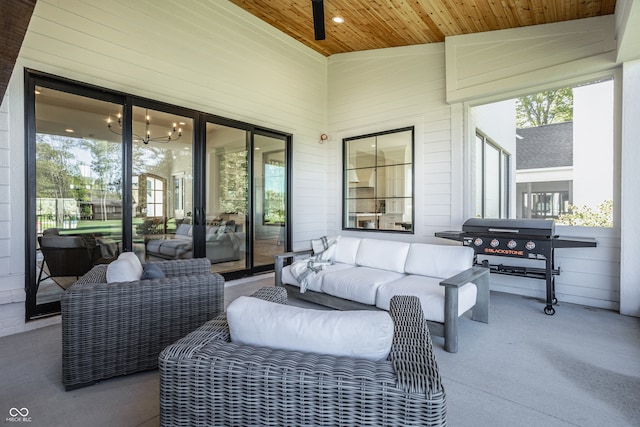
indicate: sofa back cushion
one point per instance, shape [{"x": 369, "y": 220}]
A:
[
  {"x": 183, "y": 230},
  {"x": 359, "y": 334},
  {"x": 346, "y": 250},
  {"x": 440, "y": 261},
  {"x": 55, "y": 241},
  {"x": 382, "y": 254}
]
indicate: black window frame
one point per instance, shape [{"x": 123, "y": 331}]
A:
[
  {"x": 409, "y": 228},
  {"x": 505, "y": 176}
]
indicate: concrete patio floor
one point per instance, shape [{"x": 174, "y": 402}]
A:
[{"x": 580, "y": 367}]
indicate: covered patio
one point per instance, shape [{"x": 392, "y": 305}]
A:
[{"x": 223, "y": 60}]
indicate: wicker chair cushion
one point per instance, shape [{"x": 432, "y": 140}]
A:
[{"x": 359, "y": 334}]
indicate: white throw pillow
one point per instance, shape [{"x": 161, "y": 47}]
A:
[
  {"x": 359, "y": 333},
  {"x": 134, "y": 261},
  {"x": 122, "y": 270},
  {"x": 127, "y": 268}
]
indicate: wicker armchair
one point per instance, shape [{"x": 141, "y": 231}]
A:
[
  {"x": 111, "y": 329},
  {"x": 205, "y": 380}
]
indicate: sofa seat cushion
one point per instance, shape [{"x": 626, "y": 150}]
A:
[
  {"x": 358, "y": 284},
  {"x": 184, "y": 230},
  {"x": 382, "y": 254},
  {"x": 360, "y": 334},
  {"x": 430, "y": 293},
  {"x": 438, "y": 260},
  {"x": 315, "y": 280},
  {"x": 170, "y": 247}
]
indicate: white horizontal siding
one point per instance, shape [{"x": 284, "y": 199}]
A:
[
  {"x": 498, "y": 62},
  {"x": 384, "y": 89},
  {"x": 210, "y": 56}
]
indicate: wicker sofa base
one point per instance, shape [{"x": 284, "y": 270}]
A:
[{"x": 205, "y": 380}]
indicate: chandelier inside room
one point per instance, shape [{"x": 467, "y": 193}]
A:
[{"x": 173, "y": 134}]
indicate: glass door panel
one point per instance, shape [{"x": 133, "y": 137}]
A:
[
  {"x": 269, "y": 186},
  {"x": 162, "y": 185},
  {"x": 227, "y": 197},
  {"x": 78, "y": 190}
]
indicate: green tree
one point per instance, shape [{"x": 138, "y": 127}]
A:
[
  {"x": 106, "y": 168},
  {"x": 151, "y": 159},
  {"x": 56, "y": 167},
  {"x": 552, "y": 106},
  {"x": 234, "y": 182}
]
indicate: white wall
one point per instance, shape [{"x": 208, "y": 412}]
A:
[
  {"x": 387, "y": 89},
  {"x": 497, "y": 63},
  {"x": 593, "y": 147},
  {"x": 12, "y": 222},
  {"x": 206, "y": 55},
  {"x": 383, "y": 89},
  {"x": 630, "y": 253}
]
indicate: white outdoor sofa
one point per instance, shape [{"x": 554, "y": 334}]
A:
[{"x": 366, "y": 273}]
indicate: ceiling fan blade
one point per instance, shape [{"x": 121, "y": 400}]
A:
[{"x": 318, "y": 18}]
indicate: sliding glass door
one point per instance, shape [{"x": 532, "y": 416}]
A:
[
  {"x": 75, "y": 203},
  {"x": 109, "y": 172},
  {"x": 161, "y": 185},
  {"x": 227, "y": 197},
  {"x": 270, "y": 197},
  {"x": 246, "y": 204}
]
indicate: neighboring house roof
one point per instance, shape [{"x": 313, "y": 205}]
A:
[
  {"x": 109, "y": 202},
  {"x": 546, "y": 146}
]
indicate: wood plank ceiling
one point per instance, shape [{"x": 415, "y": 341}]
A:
[{"x": 373, "y": 24}]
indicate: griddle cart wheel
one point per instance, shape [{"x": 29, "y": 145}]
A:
[{"x": 548, "y": 310}]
